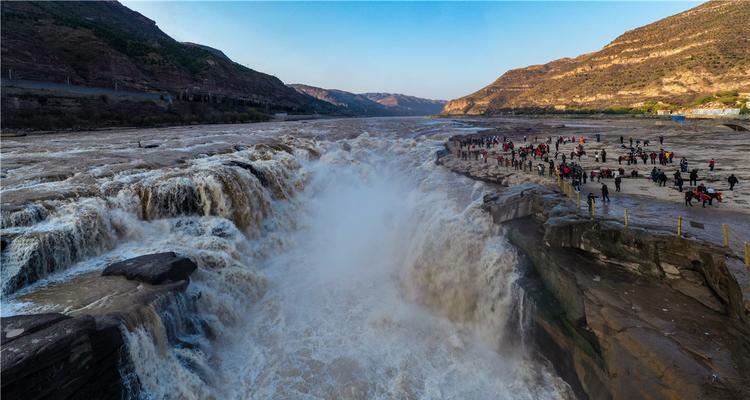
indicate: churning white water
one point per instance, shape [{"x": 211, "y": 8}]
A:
[
  {"x": 380, "y": 279},
  {"x": 391, "y": 284}
]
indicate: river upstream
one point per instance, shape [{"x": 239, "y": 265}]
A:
[{"x": 335, "y": 259}]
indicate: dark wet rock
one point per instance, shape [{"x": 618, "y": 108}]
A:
[
  {"x": 80, "y": 354},
  {"x": 73, "y": 358},
  {"x": 247, "y": 166},
  {"x": 628, "y": 313},
  {"x": 153, "y": 268},
  {"x": 18, "y": 326}
]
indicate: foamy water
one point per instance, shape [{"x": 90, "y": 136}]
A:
[{"x": 369, "y": 273}]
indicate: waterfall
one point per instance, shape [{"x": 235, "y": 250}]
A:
[
  {"x": 42, "y": 239},
  {"x": 348, "y": 268},
  {"x": 173, "y": 339}
]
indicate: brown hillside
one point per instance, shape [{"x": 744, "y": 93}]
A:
[
  {"x": 676, "y": 60},
  {"x": 105, "y": 44}
]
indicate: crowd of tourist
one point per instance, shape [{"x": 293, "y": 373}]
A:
[{"x": 539, "y": 157}]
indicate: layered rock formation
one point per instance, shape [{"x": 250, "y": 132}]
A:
[
  {"x": 627, "y": 313},
  {"x": 669, "y": 63},
  {"x": 80, "y": 354},
  {"x": 622, "y": 312}
]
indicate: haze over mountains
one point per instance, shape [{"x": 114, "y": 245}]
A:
[
  {"x": 380, "y": 104},
  {"x": 675, "y": 62}
]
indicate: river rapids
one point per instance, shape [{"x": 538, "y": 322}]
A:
[{"x": 336, "y": 259}]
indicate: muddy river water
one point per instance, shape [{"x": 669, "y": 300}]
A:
[{"x": 336, "y": 260}]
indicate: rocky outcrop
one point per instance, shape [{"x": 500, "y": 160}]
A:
[
  {"x": 22, "y": 325},
  {"x": 670, "y": 63},
  {"x": 153, "y": 268},
  {"x": 626, "y": 312},
  {"x": 72, "y": 358},
  {"x": 79, "y": 354}
]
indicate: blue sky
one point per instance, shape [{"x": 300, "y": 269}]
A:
[{"x": 429, "y": 49}]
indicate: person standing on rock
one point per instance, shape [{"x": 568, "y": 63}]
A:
[
  {"x": 622, "y": 140},
  {"x": 678, "y": 181},
  {"x": 661, "y": 139},
  {"x": 684, "y": 164},
  {"x": 604, "y": 155},
  {"x": 732, "y": 181},
  {"x": 662, "y": 179},
  {"x": 711, "y": 164},
  {"x": 694, "y": 177},
  {"x": 618, "y": 181},
  {"x": 605, "y": 193}
]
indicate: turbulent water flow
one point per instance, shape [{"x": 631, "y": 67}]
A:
[{"x": 347, "y": 268}]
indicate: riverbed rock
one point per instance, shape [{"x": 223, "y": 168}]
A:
[
  {"x": 153, "y": 268},
  {"x": 626, "y": 313},
  {"x": 77, "y": 351},
  {"x": 18, "y": 326},
  {"x": 72, "y": 358}
]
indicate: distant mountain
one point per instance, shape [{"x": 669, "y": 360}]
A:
[
  {"x": 698, "y": 56},
  {"x": 345, "y": 102},
  {"x": 373, "y": 104},
  {"x": 408, "y": 105},
  {"x": 105, "y": 44}
]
